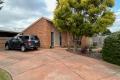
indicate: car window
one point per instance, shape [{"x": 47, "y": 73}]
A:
[
  {"x": 24, "y": 37},
  {"x": 34, "y": 38}
]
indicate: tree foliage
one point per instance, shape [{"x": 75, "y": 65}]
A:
[
  {"x": 1, "y": 2},
  {"x": 106, "y": 32},
  {"x": 83, "y": 17}
]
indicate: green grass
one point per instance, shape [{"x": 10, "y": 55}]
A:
[{"x": 4, "y": 75}]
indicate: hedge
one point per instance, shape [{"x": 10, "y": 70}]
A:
[{"x": 111, "y": 49}]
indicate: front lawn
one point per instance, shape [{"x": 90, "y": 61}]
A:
[{"x": 4, "y": 75}]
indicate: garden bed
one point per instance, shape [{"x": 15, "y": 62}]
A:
[{"x": 95, "y": 53}]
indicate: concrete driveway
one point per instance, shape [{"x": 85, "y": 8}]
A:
[{"x": 56, "y": 64}]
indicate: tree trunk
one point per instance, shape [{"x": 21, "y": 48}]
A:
[
  {"x": 84, "y": 44},
  {"x": 68, "y": 40},
  {"x": 75, "y": 39},
  {"x": 75, "y": 46}
]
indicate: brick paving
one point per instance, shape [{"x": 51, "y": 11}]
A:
[{"x": 56, "y": 64}]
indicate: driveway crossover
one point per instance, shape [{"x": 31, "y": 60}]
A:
[{"x": 56, "y": 64}]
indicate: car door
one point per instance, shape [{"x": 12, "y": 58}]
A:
[
  {"x": 14, "y": 43},
  {"x": 11, "y": 43},
  {"x": 17, "y": 43}
]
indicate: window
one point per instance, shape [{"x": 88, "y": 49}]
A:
[
  {"x": 24, "y": 37},
  {"x": 34, "y": 38}
]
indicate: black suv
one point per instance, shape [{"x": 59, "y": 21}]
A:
[{"x": 23, "y": 42}]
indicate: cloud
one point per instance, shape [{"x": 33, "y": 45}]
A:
[
  {"x": 51, "y": 5},
  {"x": 117, "y": 13},
  {"x": 18, "y": 14},
  {"x": 116, "y": 24}
]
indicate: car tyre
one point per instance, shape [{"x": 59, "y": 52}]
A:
[
  {"x": 7, "y": 47},
  {"x": 23, "y": 49},
  {"x": 35, "y": 48}
]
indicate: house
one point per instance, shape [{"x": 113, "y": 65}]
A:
[
  {"x": 47, "y": 33},
  {"x": 98, "y": 40}
]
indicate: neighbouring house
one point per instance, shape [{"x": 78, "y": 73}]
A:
[
  {"x": 47, "y": 33},
  {"x": 98, "y": 40},
  {"x": 4, "y": 36}
]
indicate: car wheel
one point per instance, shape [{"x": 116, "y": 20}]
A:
[
  {"x": 35, "y": 48},
  {"x": 23, "y": 49},
  {"x": 7, "y": 47}
]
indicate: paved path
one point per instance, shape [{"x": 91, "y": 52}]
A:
[{"x": 56, "y": 64}]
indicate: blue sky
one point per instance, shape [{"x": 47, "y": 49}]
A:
[
  {"x": 116, "y": 9},
  {"x": 117, "y": 5},
  {"x": 17, "y": 15}
]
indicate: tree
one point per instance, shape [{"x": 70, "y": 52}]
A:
[
  {"x": 1, "y": 2},
  {"x": 65, "y": 19},
  {"x": 107, "y": 32},
  {"x": 83, "y": 17}
]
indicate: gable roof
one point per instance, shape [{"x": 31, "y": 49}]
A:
[{"x": 42, "y": 18}]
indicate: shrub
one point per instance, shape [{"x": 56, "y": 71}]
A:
[{"x": 111, "y": 49}]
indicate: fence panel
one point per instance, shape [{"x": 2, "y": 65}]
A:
[{"x": 3, "y": 40}]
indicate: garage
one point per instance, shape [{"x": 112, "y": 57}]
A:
[{"x": 4, "y": 36}]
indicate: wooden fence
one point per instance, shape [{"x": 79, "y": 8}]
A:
[{"x": 3, "y": 40}]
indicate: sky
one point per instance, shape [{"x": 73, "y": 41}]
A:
[
  {"x": 116, "y": 9},
  {"x": 16, "y": 15}
]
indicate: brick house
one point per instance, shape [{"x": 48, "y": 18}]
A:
[{"x": 47, "y": 33}]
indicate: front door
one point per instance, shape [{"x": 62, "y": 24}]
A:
[
  {"x": 52, "y": 39},
  {"x": 60, "y": 38}
]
